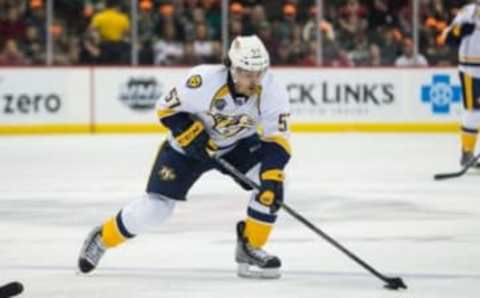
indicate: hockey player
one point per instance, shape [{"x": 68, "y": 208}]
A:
[
  {"x": 465, "y": 33},
  {"x": 217, "y": 110}
]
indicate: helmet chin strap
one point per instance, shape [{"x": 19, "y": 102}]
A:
[{"x": 233, "y": 74}]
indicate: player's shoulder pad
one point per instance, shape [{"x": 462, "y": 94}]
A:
[
  {"x": 200, "y": 74},
  {"x": 273, "y": 90},
  {"x": 468, "y": 9},
  {"x": 268, "y": 83}
]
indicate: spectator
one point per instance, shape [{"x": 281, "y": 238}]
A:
[
  {"x": 189, "y": 57},
  {"x": 112, "y": 25},
  {"x": 352, "y": 22},
  {"x": 89, "y": 48},
  {"x": 408, "y": 59},
  {"x": 213, "y": 17},
  {"x": 168, "y": 51},
  {"x": 380, "y": 14},
  {"x": 341, "y": 59},
  {"x": 235, "y": 29},
  {"x": 207, "y": 51},
  {"x": 282, "y": 54},
  {"x": 65, "y": 48},
  {"x": 236, "y": 12},
  {"x": 12, "y": 27},
  {"x": 257, "y": 16},
  {"x": 32, "y": 46},
  {"x": 266, "y": 35},
  {"x": 350, "y": 29},
  {"x": 11, "y": 55},
  {"x": 310, "y": 29},
  {"x": 38, "y": 19},
  {"x": 386, "y": 39},
  {"x": 284, "y": 28},
  {"x": 374, "y": 56},
  {"x": 405, "y": 24},
  {"x": 146, "y": 22},
  {"x": 360, "y": 54},
  {"x": 298, "y": 47},
  {"x": 310, "y": 57}
]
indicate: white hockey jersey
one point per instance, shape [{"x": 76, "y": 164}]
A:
[
  {"x": 469, "y": 52},
  {"x": 204, "y": 93}
]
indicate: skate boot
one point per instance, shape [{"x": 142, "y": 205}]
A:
[
  {"x": 254, "y": 262},
  {"x": 466, "y": 157},
  {"x": 92, "y": 251}
]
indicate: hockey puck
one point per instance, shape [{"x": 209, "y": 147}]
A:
[{"x": 11, "y": 289}]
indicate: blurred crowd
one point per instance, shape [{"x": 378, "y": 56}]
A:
[{"x": 188, "y": 32}]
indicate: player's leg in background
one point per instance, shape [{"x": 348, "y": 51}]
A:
[
  {"x": 171, "y": 177},
  {"x": 253, "y": 232},
  {"x": 471, "y": 116}
]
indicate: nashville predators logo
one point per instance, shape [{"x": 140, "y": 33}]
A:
[
  {"x": 231, "y": 125},
  {"x": 167, "y": 174},
  {"x": 194, "y": 81}
]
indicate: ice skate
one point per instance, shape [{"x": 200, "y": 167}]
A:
[
  {"x": 254, "y": 262},
  {"x": 92, "y": 251},
  {"x": 466, "y": 157}
]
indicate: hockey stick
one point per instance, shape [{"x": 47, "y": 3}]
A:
[
  {"x": 393, "y": 283},
  {"x": 460, "y": 173}
]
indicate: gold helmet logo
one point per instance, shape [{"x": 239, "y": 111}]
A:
[{"x": 194, "y": 81}]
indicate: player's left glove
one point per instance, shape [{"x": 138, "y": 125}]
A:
[
  {"x": 271, "y": 191},
  {"x": 196, "y": 142}
]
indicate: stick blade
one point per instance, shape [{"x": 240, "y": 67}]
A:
[
  {"x": 446, "y": 176},
  {"x": 11, "y": 289},
  {"x": 395, "y": 283},
  {"x": 471, "y": 164}
]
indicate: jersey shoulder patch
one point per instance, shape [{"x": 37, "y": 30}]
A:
[{"x": 194, "y": 81}]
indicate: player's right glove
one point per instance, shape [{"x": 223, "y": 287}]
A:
[
  {"x": 467, "y": 29},
  {"x": 271, "y": 189},
  {"x": 196, "y": 142},
  {"x": 459, "y": 32}
]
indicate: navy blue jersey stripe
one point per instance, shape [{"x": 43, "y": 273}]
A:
[
  {"x": 121, "y": 226},
  {"x": 261, "y": 216}
]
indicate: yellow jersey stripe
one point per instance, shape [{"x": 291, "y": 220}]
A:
[
  {"x": 275, "y": 175},
  {"x": 469, "y": 91},
  {"x": 190, "y": 134},
  {"x": 221, "y": 93},
  {"x": 467, "y": 59},
  {"x": 165, "y": 113}
]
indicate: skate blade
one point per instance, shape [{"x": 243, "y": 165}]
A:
[{"x": 247, "y": 271}]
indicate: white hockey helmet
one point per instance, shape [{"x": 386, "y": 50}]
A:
[{"x": 248, "y": 53}]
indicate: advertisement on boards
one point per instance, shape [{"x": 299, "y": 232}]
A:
[
  {"x": 129, "y": 95},
  {"x": 436, "y": 95},
  {"x": 343, "y": 95},
  {"x": 44, "y": 96}
]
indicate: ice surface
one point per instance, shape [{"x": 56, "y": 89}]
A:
[{"x": 372, "y": 192}]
